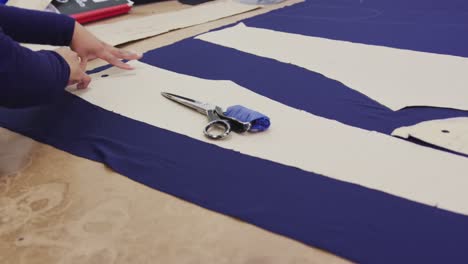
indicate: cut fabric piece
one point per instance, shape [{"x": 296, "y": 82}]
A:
[
  {"x": 451, "y": 134},
  {"x": 395, "y": 78},
  {"x": 313, "y": 144}
]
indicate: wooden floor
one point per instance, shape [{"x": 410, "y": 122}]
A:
[{"x": 58, "y": 208}]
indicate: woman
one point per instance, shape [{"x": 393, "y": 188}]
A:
[{"x": 32, "y": 77}]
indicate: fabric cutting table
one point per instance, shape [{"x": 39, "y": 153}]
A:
[{"x": 67, "y": 208}]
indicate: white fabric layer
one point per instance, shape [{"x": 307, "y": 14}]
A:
[
  {"x": 296, "y": 138},
  {"x": 451, "y": 134},
  {"x": 395, "y": 78}
]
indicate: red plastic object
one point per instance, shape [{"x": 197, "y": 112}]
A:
[{"x": 98, "y": 14}]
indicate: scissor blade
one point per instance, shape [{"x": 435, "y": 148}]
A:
[{"x": 191, "y": 103}]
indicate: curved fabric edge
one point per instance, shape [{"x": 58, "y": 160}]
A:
[{"x": 357, "y": 223}]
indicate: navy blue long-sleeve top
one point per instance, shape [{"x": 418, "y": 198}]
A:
[{"x": 32, "y": 77}]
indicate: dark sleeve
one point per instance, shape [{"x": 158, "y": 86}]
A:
[
  {"x": 29, "y": 26},
  {"x": 28, "y": 77}
]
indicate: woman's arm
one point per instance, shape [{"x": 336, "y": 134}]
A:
[
  {"x": 29, "y": 26},
  {"x": 28, "y": 77}
]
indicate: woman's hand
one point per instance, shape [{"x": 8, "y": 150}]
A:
[
  {"x": 88, "y": 47},
  {"x": 77, "y": 73}
]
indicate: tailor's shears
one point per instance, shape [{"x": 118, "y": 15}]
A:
[{"x": 216, "y": 117}]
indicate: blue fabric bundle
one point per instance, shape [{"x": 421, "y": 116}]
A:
[{"x": 259, "y": 121}]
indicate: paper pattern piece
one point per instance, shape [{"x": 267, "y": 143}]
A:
[
  {"x": 29, "y": 4},
  {"x": 139, "y": 28},
  {"x": 313, "y": 144},
  {"x": 451, "y": 133},
  {"x": 396, "y": 78}
]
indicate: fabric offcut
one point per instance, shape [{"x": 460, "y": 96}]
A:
[
  {"x": 450, "y": 134},
  {"x": 259, "y": 121}
]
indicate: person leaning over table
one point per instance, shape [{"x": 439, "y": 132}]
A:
[{"x": 32, "y": 77}]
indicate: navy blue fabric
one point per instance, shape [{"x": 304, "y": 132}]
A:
[
  {"x": 354, "y": 222},
  {"x": 289, "y": 84},
  {"x": 437, "y": 26},
  {"x": 259, "y": 122},
  {"x": 349, "y": 220}
]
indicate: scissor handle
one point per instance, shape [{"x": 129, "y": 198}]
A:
[{"x": 217, "y": 123}]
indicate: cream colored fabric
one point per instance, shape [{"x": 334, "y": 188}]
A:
[
  {"x": 296, "y": 138},
  {"x": 30, "y": 4},
  {"x": 451, "y": 133},
  {"x": 396, "y": 78}
]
